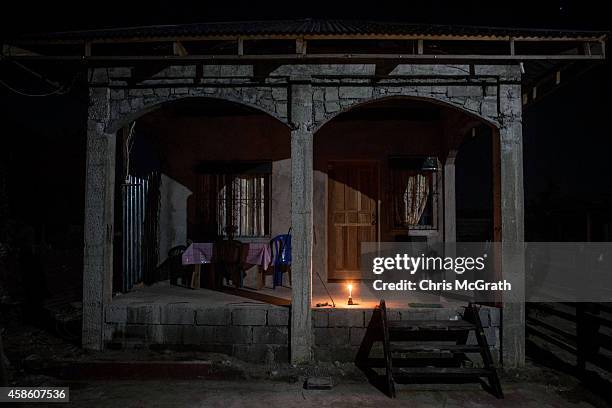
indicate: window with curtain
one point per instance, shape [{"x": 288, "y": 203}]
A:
[
  {"x": 238, "y": 198},
  {"x": 413, "y": 192}
]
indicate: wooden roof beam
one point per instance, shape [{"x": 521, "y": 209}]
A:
[
  {"x": 384, "y": 68},
  {"x": 14, "y": 51},
  {"x": 306, "y": 37},
  {"x": 240, "y": 46},
  {"x": 178, "y": 49},
  {"x": 312, "y": 57},
  {"x": 553, "y": 80},
  {"x": 300, "y": 46}
]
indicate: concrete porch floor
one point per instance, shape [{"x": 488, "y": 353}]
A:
[
  {"x": 363, "y": 297},
  {"x": 254, "y": 325},
  {"x": 163, "y": 293}
]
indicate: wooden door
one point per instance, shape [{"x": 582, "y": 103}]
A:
[{"x": 352, "y": 215}]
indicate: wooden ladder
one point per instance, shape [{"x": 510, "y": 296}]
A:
[{"x": 430, "y": 351}]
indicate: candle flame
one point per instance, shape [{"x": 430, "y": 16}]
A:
[{"x": 350, "y": 289}]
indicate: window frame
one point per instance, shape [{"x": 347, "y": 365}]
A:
[
  {"x": 219, "y": 179},
  {"x": 230, "y": 197},
  {"x": 435, "y": 186}
]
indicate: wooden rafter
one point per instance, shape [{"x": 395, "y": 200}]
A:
[
  {"x": 334, "y": 37},
  {"x": 300, "y": 46},
  {"x": 179, "y": 49},
  {"x": 581, "y": 47},
  {"x": 312, "y": 57},
  {"x": 551, "y": 81}
]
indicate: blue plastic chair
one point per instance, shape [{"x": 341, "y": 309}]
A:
[{"x": 281, "y": 257}]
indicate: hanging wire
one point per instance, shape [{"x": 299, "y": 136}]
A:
[
  {"x": 129, "y": 145},
  {"x": 314, "y": 237},
  {"x": 59, "y": 91}
]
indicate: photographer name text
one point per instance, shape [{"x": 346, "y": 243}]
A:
[{"x": 430, "y": 285}]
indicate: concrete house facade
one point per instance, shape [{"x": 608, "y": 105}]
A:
[{"x": 333, "y": 107}]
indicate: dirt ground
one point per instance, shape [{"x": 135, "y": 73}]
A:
[
  {"x": 255, "y": 394},
  {"x": 34, "y": 354}
]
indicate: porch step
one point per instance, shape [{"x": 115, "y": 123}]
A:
[
  {"x": 420, "y": 361},
  {"x": 428, "y": 330},
  {"x": 412, "y": 325},
  {"x": 439, "y": 348},
  {"x": 432, "y": 362},
  {"x": 442, "y": 372}
]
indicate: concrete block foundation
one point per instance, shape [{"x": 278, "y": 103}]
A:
[
  {"x": 240, "y": 331},
  {"x": 204, "y": 320}
]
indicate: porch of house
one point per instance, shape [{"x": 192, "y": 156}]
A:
[
  {"x": 382, "y": 172},
  {"x": 324, "y": 173},
  {"x": 254, "y": 325}
]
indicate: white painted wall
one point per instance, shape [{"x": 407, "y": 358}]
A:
[{"x": 172, "y": 229}]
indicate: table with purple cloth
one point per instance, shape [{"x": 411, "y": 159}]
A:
[
  {"x": 198, "y": 254},
  {"x": 260, "y": 254},
  {"x": 201, "y": 253}
]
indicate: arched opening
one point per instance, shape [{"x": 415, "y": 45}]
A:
[
  {"x": 389, "y": 171},
  {"x": 197, "y": 170}
]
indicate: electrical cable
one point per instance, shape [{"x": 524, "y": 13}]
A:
[
  {"x": 325, "y": 286},
  {"x": 129, "y": 144},
  {"x": 314, "y": 235},
  {"x": 37, "y": 75},
  {"x": 58, "y": 91}
]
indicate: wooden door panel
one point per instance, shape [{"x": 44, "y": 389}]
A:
[
  {"x": 339, "y": 218},
  {"x": 339, "y": 236},
  {"x": 337, "y": 189},
  {"x": 353, "y": 203},
  {"x": 352, "y": 248},
  {"x": 364, "y": 218},
  {"x": 351, "y": 197}
]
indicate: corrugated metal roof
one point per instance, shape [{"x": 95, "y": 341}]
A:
[{"x": 306, "y": 27}]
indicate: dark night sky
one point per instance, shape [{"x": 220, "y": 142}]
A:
[
  {"x": 564, "y": 135},
  {"x": 24, "y": 16}
]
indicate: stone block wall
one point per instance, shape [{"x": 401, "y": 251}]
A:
[
  {"x": 479, "y": 92},
  {"x": 479, "y": 97},
  {"x": 229, "y": 82},
  {"x": 256, "y": 333},
  {"x": 339, "y": 332}
]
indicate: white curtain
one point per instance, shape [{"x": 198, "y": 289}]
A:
[{"x": 415, "y": 198}]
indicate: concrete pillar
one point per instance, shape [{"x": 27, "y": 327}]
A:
[
  {"x": 512, "y": 223},
  {"x": 301, "y": 222},
  {"x": 99, "y": 218},
  {"x": 450, "y": 206}
]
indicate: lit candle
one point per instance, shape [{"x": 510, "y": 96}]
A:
[{"x": 350, "y": 290}]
